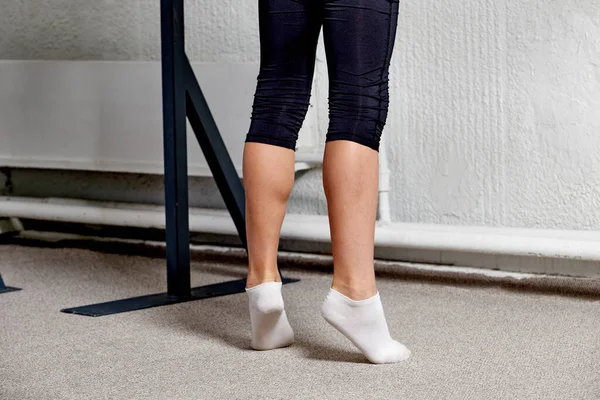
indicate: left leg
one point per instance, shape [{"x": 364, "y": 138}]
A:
[{"x": 289, "y": 31}]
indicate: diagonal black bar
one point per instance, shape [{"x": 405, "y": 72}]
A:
[
  {"x": 215, "y": 152},
  {"x": 182, "y": 96},
  {"x": 6, "y": 289}
]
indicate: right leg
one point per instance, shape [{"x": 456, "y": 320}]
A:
[
  {"x": 359, "y": 38},
  {"x": 289, "y": 30}
]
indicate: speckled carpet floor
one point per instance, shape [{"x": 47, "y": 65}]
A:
[{"x": 468, "y": 341}]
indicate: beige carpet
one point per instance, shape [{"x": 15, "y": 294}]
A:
[{"x": 468, "y": 341}]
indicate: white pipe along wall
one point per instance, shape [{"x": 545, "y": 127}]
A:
[
  {"x": 385, "y": 214},
  {"x": 540, "y": 243}
]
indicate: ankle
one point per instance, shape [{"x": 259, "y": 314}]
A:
[
  {"x": 255, "y": 279},
  {"x": 355, "y": 292}
]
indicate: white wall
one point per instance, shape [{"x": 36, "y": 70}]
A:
[{"x": 493, "y": 117}]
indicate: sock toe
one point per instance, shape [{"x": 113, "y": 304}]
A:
[{"x": 400, "y": 353}]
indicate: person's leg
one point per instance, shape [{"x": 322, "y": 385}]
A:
[
  {"x": 268, "y": 179},
  {"x": 289, "y": 32},
  {"x": 350, "y": 180},
  {"x": 359, "y": 38}
]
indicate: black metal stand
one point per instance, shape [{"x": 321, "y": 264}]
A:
[
  {"x": 163, "y": 299},
  {"x": 182, "y": 96},
  {"x": 6, "y": 289}
]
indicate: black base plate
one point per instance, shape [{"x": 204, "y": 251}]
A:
[
  {"x": 162, "y": 299},
  {"x": 7, "y": 289}
]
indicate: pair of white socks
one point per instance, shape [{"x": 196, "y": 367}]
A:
[{"x": 361, "y": 321}]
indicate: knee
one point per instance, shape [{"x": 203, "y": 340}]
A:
[
  {"x": 359, "y": 116},
  {"x": 278, "y": 112}
]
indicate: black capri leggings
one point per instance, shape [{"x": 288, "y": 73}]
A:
[{"x": 359, "y": 38}]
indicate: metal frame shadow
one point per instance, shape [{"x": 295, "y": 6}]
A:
[{"x": 182, "y": 96}]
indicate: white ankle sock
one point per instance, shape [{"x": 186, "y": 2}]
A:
[
  {"x": 363, "y": 322},
  {"x": 270, "y": 326}
]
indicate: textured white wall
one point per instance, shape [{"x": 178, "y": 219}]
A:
[
  {"x": 496, "y": 117},
  {"x": 494, "y": 111}
]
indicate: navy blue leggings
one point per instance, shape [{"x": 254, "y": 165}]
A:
[{"x": 359, "y": 38}]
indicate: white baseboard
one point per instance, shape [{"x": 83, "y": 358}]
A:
[{"x": 574, "y": 253}]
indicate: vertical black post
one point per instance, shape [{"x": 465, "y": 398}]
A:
[
  {"x": 174, "y": 117},
  {"x": 179, "y": 86}
]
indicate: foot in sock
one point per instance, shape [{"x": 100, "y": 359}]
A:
[
  {"x": 363, "y": 322},
  {"x": 270, "y": 326}
]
